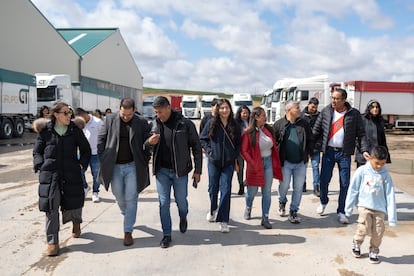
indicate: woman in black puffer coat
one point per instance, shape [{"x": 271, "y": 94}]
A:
[
  {"x": 374, "y": 131},
  {"x": 55, "y": 157}
]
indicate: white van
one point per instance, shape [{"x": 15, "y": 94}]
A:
[
  {"x": 191, "y": 106},
  {"x": 240, "y": 99},
  {"x": 206, "y": 101}
]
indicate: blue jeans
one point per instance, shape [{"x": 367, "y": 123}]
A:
[
  {"x": 94, "y": 164},
  {"x": 344, "y": 165},
  {"x": 266, "y": 189},
  {"x": 124, "y": 188},
  {"x": 315, "y": 161},
  {"x": 296, "y": 172},
  {"x": 165, "y": 178},
  {"x": 219, "y": 179}
]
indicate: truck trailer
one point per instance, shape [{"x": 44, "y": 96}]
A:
[
  {"x": 18, "y": 102},
  {"x": 396, "y": 99},
  {"x": 89, "y": 95}
]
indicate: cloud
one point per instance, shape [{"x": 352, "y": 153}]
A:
[{"x": 245, "y": 46}]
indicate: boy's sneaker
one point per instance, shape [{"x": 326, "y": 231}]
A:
[
  {"x": 321, "y": 209},
  {"x": 293, "y": 217},
  {"x": 247, "y": 213},
  {"x": 356, "y": 250},
  {"x": 95, "y": 197},
  {"x": 282, "y": 209},
  {"x": 224, "y": 227},
  {"x": 211, "y": 217},
  {"x": 373, "y": 258},
  {"x": 342, "y": 218}
]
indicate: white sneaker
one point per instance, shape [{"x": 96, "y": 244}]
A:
[
  {"x": 342, "y": 218},
  {"x": 211, "y": 217},
  {"x": 321, "y": 209},
  {"x": 95, "y": 197},
  {"x": 87, "y": 189},
  {"x": 224, "y": 227}
]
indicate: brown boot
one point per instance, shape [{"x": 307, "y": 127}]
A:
[
  {"x": 76, "y": 231},
  {"x": 128, "y": 240},
  {"x": 52, "y": 249}
]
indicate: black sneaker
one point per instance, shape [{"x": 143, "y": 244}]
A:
[
  {"x": 165, "y": 242},
  {"x": 304, "y": 188},
  {"x": 293, "y": 217},
  {"x": 373, "y": 258},
  {"x": 183, "y": 225},
  {"x": 356, "y": 250},
  {"x": 316, "y": 191},
  {"x": 282, "y": 209},
  {"x": 265, "y": 223}
]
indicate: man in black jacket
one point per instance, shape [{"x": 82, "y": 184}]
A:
[
  {"x": 337, "y": 127},
  {"x": 294, "y": 137},
  {"x": 173, "y": 137},
  {"x": 311, "y": 113}
]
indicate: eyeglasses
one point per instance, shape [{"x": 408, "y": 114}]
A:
[{"x": 67, "y": 112}]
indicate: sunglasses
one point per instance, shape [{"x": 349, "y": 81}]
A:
[{"x": 67, "y": 112}]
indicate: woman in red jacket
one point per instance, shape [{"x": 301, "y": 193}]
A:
[{"x": 259, "y": 149}]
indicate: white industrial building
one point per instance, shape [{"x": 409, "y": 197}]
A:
[{"x": 97, "y": 59}]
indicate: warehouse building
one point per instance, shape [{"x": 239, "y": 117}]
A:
[{"x": 97, "y": 60}]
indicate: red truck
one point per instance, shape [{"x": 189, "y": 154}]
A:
[{"x": 175, "y": 101}]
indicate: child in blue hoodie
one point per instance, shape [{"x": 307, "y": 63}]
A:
[{"x": 372, "y": 191}]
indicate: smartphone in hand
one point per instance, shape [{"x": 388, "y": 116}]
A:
[{"x": 194, "y": 183}]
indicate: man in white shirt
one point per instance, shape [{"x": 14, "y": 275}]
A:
[
  {"x": 92, "y": 126},
  {"x": 338, "y": 125}
]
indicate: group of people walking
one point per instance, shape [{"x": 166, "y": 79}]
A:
[{"x": 125, "y": 142}]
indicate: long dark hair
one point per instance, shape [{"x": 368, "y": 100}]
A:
[
  {"x": 253, "y": 129},
  {"x": 231, "y": 124},
  {"x": 239, "y": 111},
  {"x": 368, "y": 111}
]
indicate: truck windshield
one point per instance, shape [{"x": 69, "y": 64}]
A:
[
  {"x": 205, "y": 104},
  {"x": 189, "y": 104},
  {"x": 241, "y": 103},
  {"x": 147, "y": 103},
  {"x": 276, "y": 97},
  {"x": 46, "y": 94}
]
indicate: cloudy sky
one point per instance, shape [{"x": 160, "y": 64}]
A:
[{"x": 245, "y": 46}]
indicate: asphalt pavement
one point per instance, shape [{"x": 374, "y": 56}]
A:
[{"x": 319, "y": 245}]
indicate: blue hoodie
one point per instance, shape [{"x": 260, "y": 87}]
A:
[{"x": 373, "y": 190}]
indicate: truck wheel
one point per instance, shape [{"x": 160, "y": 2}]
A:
[
  {"x": 18, "y": 129},
  {"x": 6, "y": 130}
]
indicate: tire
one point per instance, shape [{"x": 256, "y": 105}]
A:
[
  {"x": 18, "y": 129},
  {"x": 6, "y": 130}
]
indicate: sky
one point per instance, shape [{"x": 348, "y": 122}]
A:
[{"x": 238, "y": 46}]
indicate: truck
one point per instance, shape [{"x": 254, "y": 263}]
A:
[
  {"x": 147, "y": 109},
  {"x": 206, "y": 101},
  {"x": 396, "y": 99},
  {"x": 241, "y": 99},
  {"x": 59, "y": 87},
  {"x": 18, "y": 102},
  {"x": 175, "y": 101},
  {"x": 297, "y": 89},
  {"x": 191, "y": 106}
]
